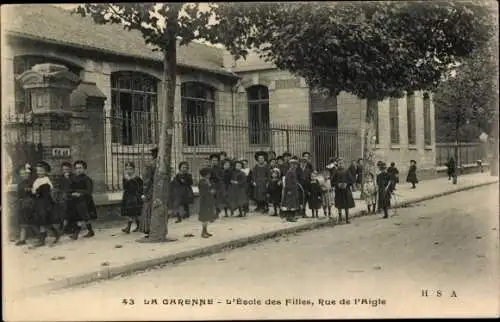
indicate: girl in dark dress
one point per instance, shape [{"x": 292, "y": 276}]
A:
[
  {"x": 343, "y": 181},
  {"x": 226, "y": 186},
  {"x": 216, "y": 178},
  {"x": 64, "y": 187},
  {"x": 207, "y": 213},
  {"x": 44, "y": 213},
  {"x": 182, "y": 191},
  {"x": 314, "y": 197},
  {"x": 292, "y": 192},
  {"x": 82, "y": 203},
  {"x": 25, "y": 202},
  {"x": 274, "y": 190},
  {"x": 412, "y": 174},
  {"x": 237, "y": 189},
  {"x": 261, "y": 178},
  {"x": 385, "y": 188},
  {"x": 132, "y": 203}
]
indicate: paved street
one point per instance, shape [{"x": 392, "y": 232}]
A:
[{"x": 448, "y": 244}]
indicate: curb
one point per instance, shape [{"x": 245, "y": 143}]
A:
[{"x": 128, "y": 269}]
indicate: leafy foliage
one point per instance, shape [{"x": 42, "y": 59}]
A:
[
  {"x": 467, "y": 101},
  {"x": 370, "y": 49}
]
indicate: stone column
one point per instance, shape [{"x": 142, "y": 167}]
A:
[{"x": 50, "y": 87}]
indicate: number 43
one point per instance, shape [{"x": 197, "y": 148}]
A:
[{"x": 128, "y": 302}]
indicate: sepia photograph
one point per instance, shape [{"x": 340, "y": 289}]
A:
[{"x": 250, "y": 160}]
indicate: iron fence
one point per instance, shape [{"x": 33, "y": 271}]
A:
[
  {"x": 130, "y": 137},
  {"x": 468, "y": 153}
]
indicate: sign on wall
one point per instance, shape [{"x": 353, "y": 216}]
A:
[{"x": 61, "y": 152}]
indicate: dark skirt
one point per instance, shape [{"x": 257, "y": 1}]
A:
[
  {"x": 24, "y": 210},
  {"x": 83, "y": 208},
  {"x": 384, "y": 199},
  {"x": 44, "y": 213},
  {"x": 344, "y": 199},
  {"x": 292, "y": 198},
  {"x": 275, "y": 194},
  {"x": 314, "y": 199},
  {"x": 412, "y": 177},
  {"x": 237, "y": 197},
  {"x": 131, "y": 207}
]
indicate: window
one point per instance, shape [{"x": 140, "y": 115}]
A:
[
  {"x": 410, "y": 113},
  {"x": 258, "y": 115},
  {"x": 25, "y": 63},
  {"x": 198, "y": 110},
  {"x": 394, "y": 119},
  {"x": 372, "y": 105},
  {"x": 133, "y": 112},
  {"x": 427, "y": 119}
]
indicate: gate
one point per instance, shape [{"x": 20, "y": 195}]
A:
[{"x": 22, "y": 137}]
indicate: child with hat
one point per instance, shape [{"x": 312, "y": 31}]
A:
[
  {"x": 274, "y": 190},
  {"x": 412, "y": 174},
  {"x": 44, "y": 214}
]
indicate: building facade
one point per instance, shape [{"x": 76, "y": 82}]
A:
[{"x": 111, "y": 114}]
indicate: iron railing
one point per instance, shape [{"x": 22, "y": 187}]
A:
[
  {"x": 468, "y": 153},
  {"x": 130, "y": 137}
]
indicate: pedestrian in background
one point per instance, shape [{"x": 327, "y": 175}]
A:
[
  {"x": 147, "y": 194},
  {"x": 412, "y": 174},
  {"x": 44, "y": 216},
  {"x": 182, "y": 192},
  {"x": 370, "y": 193},
  {"x": 207, "y": 213},
  {"x": 343, "y": 182},
  {"x": 307, "y": 157},
  {"x": 227, "y": 175},
  {"x": 24, "y": 206},
  {"x": 131, "y": 206},
  {"x": 452, "y": 169}
]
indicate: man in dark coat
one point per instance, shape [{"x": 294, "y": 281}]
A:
[
  {"x": 304, "y": 175},
  {"x": 385, "y": 187},
  {"x": 147, "y": 195},
  {"x": 307, "y": 157}
]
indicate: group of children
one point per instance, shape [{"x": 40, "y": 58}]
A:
[
  {"x": 286, "y": 183},
  {"x": 59, "y": 205}
]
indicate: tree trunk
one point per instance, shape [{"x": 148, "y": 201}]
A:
[
  {"x": 494, "y": 164},
  {"x": 159, "y": 216},
  {"x": 369, "y": 140}
]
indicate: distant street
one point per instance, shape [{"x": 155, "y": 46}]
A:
[{"x": 444, "y": 247}]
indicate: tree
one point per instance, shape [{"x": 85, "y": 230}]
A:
[
  {"x": 465, "y": 103},
  {"x": 370, "y": 49},
  {"x": 161, "y": 25}
]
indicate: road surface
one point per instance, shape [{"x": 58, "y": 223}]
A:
[{"x": 437, "y": 258}]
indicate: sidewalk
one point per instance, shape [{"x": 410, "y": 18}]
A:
[{"x": 112, "y": 253}]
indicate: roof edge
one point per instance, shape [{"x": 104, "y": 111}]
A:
[{"x": 107, "y": 51}]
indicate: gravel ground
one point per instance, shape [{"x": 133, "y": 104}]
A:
[{"x": 446, "y": 247}]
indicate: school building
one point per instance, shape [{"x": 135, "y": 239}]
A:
[{"x": 72, "y": 89}]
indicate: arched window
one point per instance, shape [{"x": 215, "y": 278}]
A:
[
  {"x": 258, "y": 115},
  {"x": 198, "y": 112},
  {"x": 25, "y": 63},
  {"x": 133, "y": 113}
]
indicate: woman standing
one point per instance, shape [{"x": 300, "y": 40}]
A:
[
  {"x": 343, "y": 181},
  {"x": 261, "y": 176}
]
